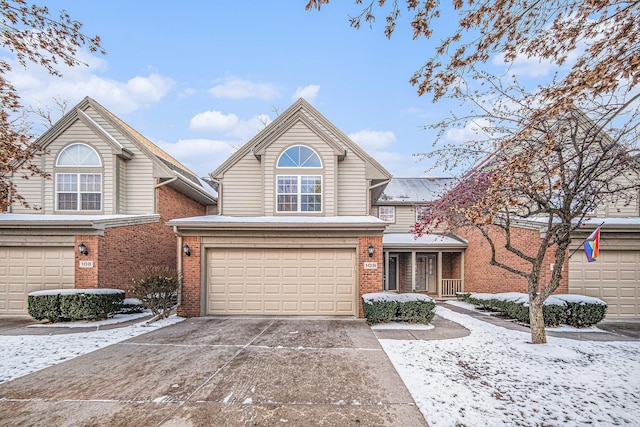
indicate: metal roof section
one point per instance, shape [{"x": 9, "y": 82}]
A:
[
  {"x": 430, "y": 241},
  {"x": 414, "y": 190}
]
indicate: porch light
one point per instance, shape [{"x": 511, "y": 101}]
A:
[
  {"x": 83, "y": 249},
  {"x": 186, "y": 250},
  {"x": 371, "y": 248}
]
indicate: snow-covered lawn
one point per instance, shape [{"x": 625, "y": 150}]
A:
[
  {"x": 493, "y": 377},
  {"x": 22, "y": 354}
]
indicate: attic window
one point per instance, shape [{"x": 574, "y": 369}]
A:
[
  {"x": 78, "y": 155},
  {"x": 299, "y": 156}
]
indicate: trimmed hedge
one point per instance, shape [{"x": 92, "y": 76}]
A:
[
  {"x": 387, "y": 307},
  {"x": 74, "y": 304},
  {"x": 575, "y": 310}
]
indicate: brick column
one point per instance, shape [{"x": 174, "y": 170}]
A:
[
  {"x": 87, "y": 277},
  {"x": 369, "y": 279},
  {"x": 191, "y": 280}
]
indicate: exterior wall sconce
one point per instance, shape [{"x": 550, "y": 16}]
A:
[
  {"x": 371, "y": 249},
  {"x": 83, "y": 249},
  {"x": 186, "y": 250}
]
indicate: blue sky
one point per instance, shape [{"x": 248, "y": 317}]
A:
[{"x": 200, "y": 78}]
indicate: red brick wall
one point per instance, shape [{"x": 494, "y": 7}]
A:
[
  {"x": 479, "y": 276},
  {"x": 123, "y": 251},
  {"x": 87, "y": 278},
  {"x": 191, "y": 280},
  {"x": 369, "y": 280}
]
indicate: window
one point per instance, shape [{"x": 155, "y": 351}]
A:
[
  {"x": 78, "y": 189},
  {"x": 387, "y": 213},
  {"x": 421, "y": 211},
  {"x": 78, "y": 155},
  {"x": 299, "y": 156},
  {"x": 299, "y": 193}
]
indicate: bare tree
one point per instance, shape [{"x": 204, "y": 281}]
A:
[
  {"x": 32, "y": 35},
  {"x": 550, "y": 170}
]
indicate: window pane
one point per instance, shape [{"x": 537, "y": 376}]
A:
[
  {"x": 387, "y": 213},
  {"x": 299, "y": 156},
  {"x": 287, "y": 185},
  {"x": 287, "y": 203},
  {"x": 311, "y": 184},
  {"x": 67, "y": 201},
  {"x": 90, "y": 182},
  {"x": 312, "y": 203},
  {"x": 78, "y": 155},
  {"x": 91, "y": 202},
  {"x": 66, "y": 182}
]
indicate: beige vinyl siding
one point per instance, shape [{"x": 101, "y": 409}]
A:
[
  {"x": 621, "y": 209},
  {"x": 121, "y": 196},
  {"x": 299, "y": 134},
  {"x": 139, "y": 180},
  {"x": 242, "y": 185},
  {"x": 31, "y": 189},
  {"x": 405, "y": 219},
  {"x": 79, "y": 133},
  {"x": 352, "y": 186}
]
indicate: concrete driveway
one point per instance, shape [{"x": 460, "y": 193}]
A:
[{"x": 221, "y": 372}]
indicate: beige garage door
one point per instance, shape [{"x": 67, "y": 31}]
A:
[
  {"x": 281, "y": 281},
  {"x": 27, "y": 269},
  {"x": 614, "y": 278}
]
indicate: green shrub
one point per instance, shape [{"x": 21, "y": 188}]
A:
[
  {"x": 379, "y": 311},
  {"x": 419, "y": 311},
  {"x": 44, "y": 306},
  {"x": 157, "y": 288},
  {"x": 578, "y": 311},
  {"x": 463, "y": 296},
  {"x": 387, "y": 307},
  {"x": 74, "y": 304},
  {"x": 131, "y": 306},
  {"x": 583, "y": 311},
  {"x": 91, "y": 304}
]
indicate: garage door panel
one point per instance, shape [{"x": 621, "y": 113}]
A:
[
  {"x": 614, "y": 277},
  {"x": 293, "y": 281},
  {"x": 32, "y": 268}
]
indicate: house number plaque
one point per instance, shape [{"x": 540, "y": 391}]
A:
[
  {"x": 86, "y": 264},
  {"x": 370, "y": 265}
]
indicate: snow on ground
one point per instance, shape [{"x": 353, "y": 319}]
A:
[
  {"x": 494, "y": 377},
  {"x": 22, "y": 354}
]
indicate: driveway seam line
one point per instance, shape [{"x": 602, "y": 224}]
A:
[{"x": 206, "y": 381}]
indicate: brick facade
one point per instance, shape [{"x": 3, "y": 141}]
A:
[
  {"x": 191, "y": 278},
  {"x": 479, "y": 276},
  {"x": 369, "y": 280},
  {"x": 123, "y": 251}
]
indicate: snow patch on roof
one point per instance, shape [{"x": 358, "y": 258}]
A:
[
  {"x": 414, "y": 190},
  {"x": 426, "y": 239},
  {"x": 224, "y": 219}
]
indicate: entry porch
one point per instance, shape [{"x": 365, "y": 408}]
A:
[{"x": 431, "y": 264}]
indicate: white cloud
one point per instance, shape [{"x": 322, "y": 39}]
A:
[
  {"x": 214, "y": 121},
  {"x": 186, "y": 93},
  {"x": 373, "y": 139},
  {"x": 202, "y": 156},
  {"x": 472, "y": 131},
  {"x": 37, "y": 87},
  {"x": 235, "y": 88},
  {"x": 309, "y": 93}
]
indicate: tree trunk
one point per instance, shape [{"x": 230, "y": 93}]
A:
[{"x": 536, "y": 322}]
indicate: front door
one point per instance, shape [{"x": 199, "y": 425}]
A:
[
  {"x": 426, "y": 280},
  {"x": 392, "y": 274}
]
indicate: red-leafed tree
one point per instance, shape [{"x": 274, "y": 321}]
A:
[
  {"x": 549, "y": 157},
  {"x": 33, "y": 36},
  {"x": 551, "y": 171}
]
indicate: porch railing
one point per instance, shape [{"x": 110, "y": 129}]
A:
[{"x": 451, "y": 286}]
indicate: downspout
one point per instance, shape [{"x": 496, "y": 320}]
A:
[
  {"x": 179, "y": 264},
  {"x": 219, "y": 194}
]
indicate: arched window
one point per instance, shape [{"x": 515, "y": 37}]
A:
[
  {"x": 81, "y": 188},
  {"x": 299, "y": 193},
  {"x": 78, "y": 155},
  {"x": 299, "y": 156}
]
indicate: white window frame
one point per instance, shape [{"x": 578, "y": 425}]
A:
[
  {"x": 388, "y": 216},
  {"x": 78, "y": 190},
  {"x": 420, "y": 209},
  {"x": 299, "y": 194}
]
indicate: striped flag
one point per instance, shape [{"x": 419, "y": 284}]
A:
[{"x": 592, "y": 245}]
